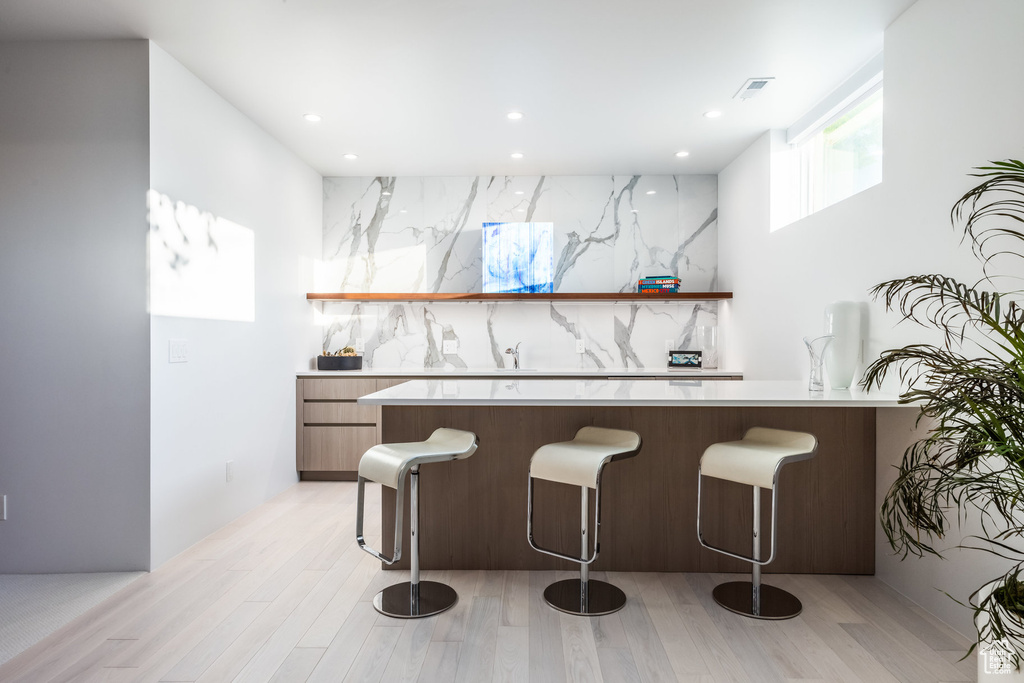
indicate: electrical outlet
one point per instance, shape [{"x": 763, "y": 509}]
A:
[
  {"x": 580, "y": 346},
  {"x": 450, "y": 346},
  {"x": 3, "y": 508},
  {"x": 229, "y": 471},
  {"x": 668, "y": 345},
  {"x": 177, "y": 351},
  {"x": 360, "y": 345}
]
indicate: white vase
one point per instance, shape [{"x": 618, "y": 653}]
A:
[
  {"x": 842, "y": 321},
  {"x": 993, "y": 662}
]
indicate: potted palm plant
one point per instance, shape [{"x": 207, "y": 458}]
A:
[{"x": 970, "y": 389}]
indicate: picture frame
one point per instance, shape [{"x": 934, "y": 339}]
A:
[{"x": 682, "y": 359}]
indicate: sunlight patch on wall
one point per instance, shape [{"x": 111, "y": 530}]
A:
[{"x": 200, "y": 265}]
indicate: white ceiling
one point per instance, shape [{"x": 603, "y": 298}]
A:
[{"x": 418, "y": 87}]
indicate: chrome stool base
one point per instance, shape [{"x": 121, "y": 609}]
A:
[
  {"x": 397, "y": 600},
  {"x": 567, "y": 596},
  {"x": 738, "y": 597}
]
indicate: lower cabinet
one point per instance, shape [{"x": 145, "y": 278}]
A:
[{"x": 332, "y": 430}]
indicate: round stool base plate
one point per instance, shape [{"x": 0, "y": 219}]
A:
[
  {"x": 603, "y": 598},
  {"x": 396, "y": 601},
  {"x": 737, "y": 596}
]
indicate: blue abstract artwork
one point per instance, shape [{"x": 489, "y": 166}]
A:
[{"x": 518, "y": 257}]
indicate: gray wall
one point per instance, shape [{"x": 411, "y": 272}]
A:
[{"x": 74, "y": 332}]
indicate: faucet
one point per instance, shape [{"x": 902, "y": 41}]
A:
[{"x": 515, "y": 355}]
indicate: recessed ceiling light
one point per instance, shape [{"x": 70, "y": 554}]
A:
[
  {"x": 713, "y": 114},
  {"x": 682, "y": 154},
  {"x": 517, "y": 155},
  {"x": 385, "y": 194},
  {"x": 514, "y": 115},
  {"x": 518, "y": 192},
  {"x": 401, "y": 211},
  {"x": 313, "y": 118},
  {"x": 351, "y": 157},
  {"x": 521, "y": 210},
  {"x": 652, "y": 192},
  {"x": 634, "y": 210}
]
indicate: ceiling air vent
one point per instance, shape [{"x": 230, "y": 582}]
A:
[{"x": 753, "y": 87}]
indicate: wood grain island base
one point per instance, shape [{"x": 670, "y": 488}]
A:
[{"x": 473, "y": 512}]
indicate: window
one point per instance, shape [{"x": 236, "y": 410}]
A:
[
  {"x": 833, "y": 152},
  {"x": 844, "y": 157}
]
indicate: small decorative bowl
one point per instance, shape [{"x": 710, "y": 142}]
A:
[{"x": 339, "y": 362}]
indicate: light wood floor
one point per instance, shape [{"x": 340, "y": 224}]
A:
[{"x": 283, "y": 594}]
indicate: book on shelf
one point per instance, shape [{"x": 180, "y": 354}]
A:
[{"x": 658, "y": 280}]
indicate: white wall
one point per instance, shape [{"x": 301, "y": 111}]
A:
[
  {"x": 235, "y": 398},
  {"x": 949, "y": 106},
  {"x": 74, "y": 333}
]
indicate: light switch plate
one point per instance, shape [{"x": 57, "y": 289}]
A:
[
  {"x": 450, "y": 346},
  {"x": 177, "y": 351},
  {"x": 360, "y": 345}
]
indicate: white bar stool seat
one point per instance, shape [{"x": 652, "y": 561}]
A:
[
  {"x": 580, "y": 462},
  {"x": 388, "y": 465},
  {"x": 756, "y": 461}
]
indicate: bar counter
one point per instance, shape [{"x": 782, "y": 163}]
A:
[{"x": 473, "y": 512}]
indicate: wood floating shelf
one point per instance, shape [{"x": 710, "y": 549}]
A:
[{"x": 517, "y": 296}]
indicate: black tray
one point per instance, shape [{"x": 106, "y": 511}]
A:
[{"x": 339, "y": 362}]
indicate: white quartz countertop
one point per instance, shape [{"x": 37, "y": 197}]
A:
[
  {"x": 619, "y": 392},
  {"x": 524, "y": 373}
]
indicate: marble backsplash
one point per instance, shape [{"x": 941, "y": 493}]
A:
[{"x": 423, "y": 234}]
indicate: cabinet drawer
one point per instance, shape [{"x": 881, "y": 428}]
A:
[
  {"x": 340, "y": 388},
  {"x": 327, "y": 449},
  {"x": 338, "y": 413}
]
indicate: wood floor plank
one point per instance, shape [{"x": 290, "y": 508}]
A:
[
  {"x": 343, "y": 651},
  {"x": 451, "y": 625},
  {"x": 714, "y": 650},
  {"x": 374, "y": 655},
  {"x": 298, "y": 665},
  {"x": 649, "y": 654},
  {"x": 682, "y": 651},
  {"x": 515, "y": 599},
  {"x": 410, "y": 651},
  {"x": 238, "y": 654},
  {"x": 617, "y": 665},
  {"x": 736, "y": 630},
  {"x": 322, "y": 632},
  {"x": 547, "y": 661},
  {"x": 903, "y": 663},
  {"x": 204, "y": 653},
  {"x": 512, "y": 656},
  {"x": 476, "y": 658},
  {"x": 441, "y": 663},
  {"x": 286, "y": 637},
  {"x": 579, "y": 650},
  {"x": 855, "y": 656},
  {"x": 909, "y": 615},
  {"x": 492, "y": 584}
]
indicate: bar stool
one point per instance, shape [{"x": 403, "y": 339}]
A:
[
  {"x": 387, "y": 464},
  {"x": 579, "y": 462},
  {"x": 755, "y": 461}
]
